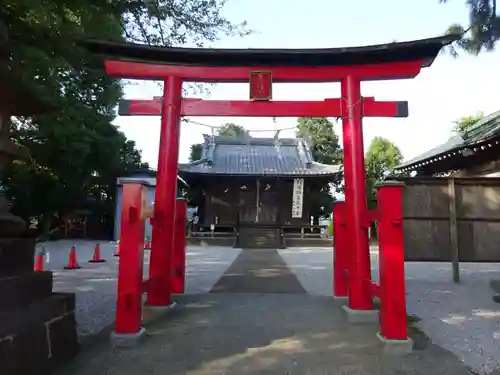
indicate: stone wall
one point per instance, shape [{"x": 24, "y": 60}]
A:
[
  {"x": 39, "y": 339},
  {"x": 37, "y": 326}
]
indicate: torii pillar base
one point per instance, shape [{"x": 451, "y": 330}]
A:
[
  {"x": 361, "y": 316},
  {"x": 341, "y": 299},
  {"x": 396, "y": 347},
  {"x": 127, "y": 340}
]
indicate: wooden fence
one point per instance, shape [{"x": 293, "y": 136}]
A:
[{"x": 450, "y": 219}]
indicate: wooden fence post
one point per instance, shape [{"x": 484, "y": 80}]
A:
[{"x": 453, "y": 230}]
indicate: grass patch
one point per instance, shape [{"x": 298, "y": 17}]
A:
[{"x": 412, "y": 319}]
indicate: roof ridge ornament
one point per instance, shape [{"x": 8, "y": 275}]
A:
[
  {"x": 307, "y": 152},
  {"x": 276, "y": 137},
  {"x": 204, "y": 148},
  {"x": 211, "y": 148}
]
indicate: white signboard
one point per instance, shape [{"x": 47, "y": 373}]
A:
[{"x": 298, "y": 195}]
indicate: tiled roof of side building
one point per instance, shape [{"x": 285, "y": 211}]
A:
[
  {"x": 257, "y": 157},
  {"x": 450, "y": 144},
  {"x": 483, "y": 130}
]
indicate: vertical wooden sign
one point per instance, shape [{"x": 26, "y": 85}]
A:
[{"x": 297, "y": 198}]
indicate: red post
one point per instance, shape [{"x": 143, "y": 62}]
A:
[
  {"x": 393, "y": 323},
  {"x": 39, "y": 260},
  {"x": 355, "y": 197},
  {"x": 166, "y": 191},
  {"x": 129, "y": 298},
  {"x": 340, "y": 251},
  {"x": 179, "y": 253}
]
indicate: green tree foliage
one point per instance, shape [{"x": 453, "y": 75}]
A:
[
  {"x": 229, "y": 129},
  {"x": 171, "y": 23},
  {"x": 76, "y": 153},
  {"x": 381, "y": 158},
  {"x": 483, "y": 30},
  {"x": 330, "y": 228},
  {"x": 324, "y": 142},
  {"x": 195, "y": 152},
  {"x": 466, "y": 123},
  {"x": 325, "y": 148}
]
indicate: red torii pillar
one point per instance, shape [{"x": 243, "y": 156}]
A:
[
  {"x": 355, "y": 195},
  {"x": 179, "y": 249},
  {"x": 160, "y": 288},
  {"x": 340, "y": 252}
]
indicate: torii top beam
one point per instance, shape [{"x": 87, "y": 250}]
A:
[{"x": 384, "y": 61}]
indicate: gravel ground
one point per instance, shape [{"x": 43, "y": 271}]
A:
[
  {"x": 461, "y": 318},
  {"x": 95, "y": 283}
]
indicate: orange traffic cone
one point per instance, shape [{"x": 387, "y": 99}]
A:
[
  {"x": 72, "y": 263},
  {"x": 97, "y": 254},
  {"x": 147, "y": 246},
  {"x": 39, "y": 261},
  {"x": 117, "y": 250}
]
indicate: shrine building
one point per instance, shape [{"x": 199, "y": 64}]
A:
[{"x": 255, "y": 190}]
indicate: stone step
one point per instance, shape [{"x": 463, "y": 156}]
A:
[
  {"x": 211, "y": 241},
  {"x": 255, "y": 237}
]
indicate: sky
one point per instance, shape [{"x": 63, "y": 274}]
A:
[{"x": 449, "y": 89}]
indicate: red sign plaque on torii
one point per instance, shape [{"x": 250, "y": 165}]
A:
[
  {"x": 260, "y": 69},
  {"x": 261, "y": 85}
]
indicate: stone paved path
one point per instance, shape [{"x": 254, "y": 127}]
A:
[
  {"x": 258, "y": 271},
  {"x": 249, "y": 326}
]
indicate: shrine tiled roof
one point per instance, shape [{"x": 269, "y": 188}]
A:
[
  {"x": 247, "y": 156},
  {"x": 484, "y": 130}
]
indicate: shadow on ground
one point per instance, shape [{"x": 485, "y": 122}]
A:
[{"x": 260, "y": 334}]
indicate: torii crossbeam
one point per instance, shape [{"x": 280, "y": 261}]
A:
[{"x": 237, "y": 108}]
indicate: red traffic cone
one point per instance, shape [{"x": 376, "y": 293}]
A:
[
  {"x": 72, "y": 263},
  {"x": 39, "y": 261},
  {"x": 147, "y": 246},
  {"x": 97, "y": 254},
  {"x": 117, "y": 250}
]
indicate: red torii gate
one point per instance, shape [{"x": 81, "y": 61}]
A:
[{"x": 262, "y": 68}]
